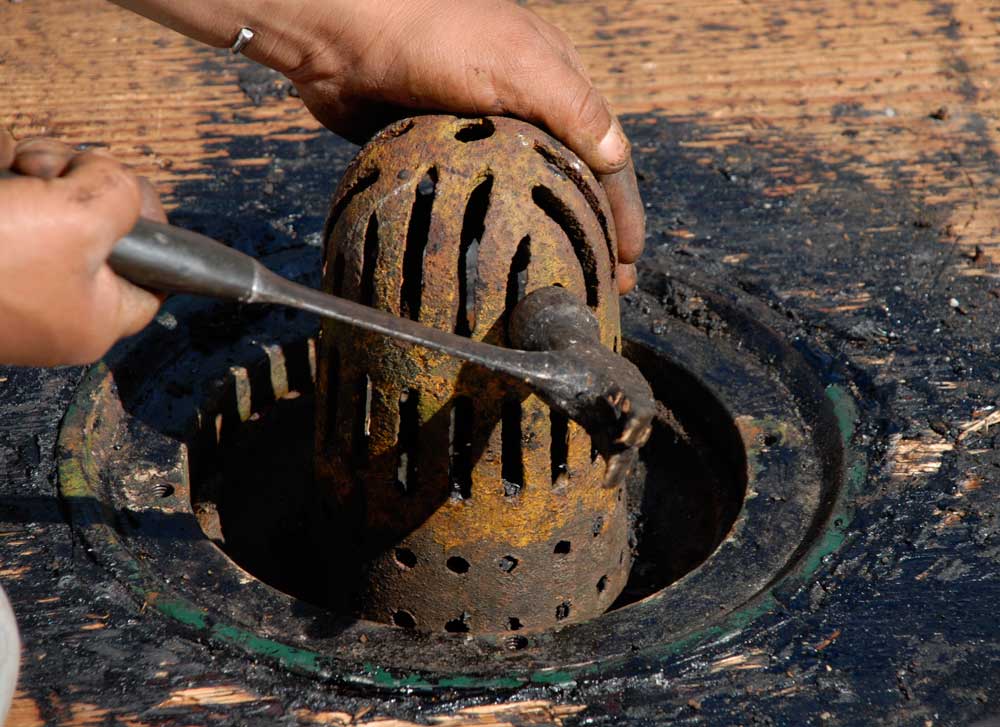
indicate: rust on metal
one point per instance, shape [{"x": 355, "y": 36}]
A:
[{"x": 478, "y": 509}]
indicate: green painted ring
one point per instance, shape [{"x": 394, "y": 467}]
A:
[{"x": 80, "y": 484}]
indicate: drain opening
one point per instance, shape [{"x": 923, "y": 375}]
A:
[
  {"x": 476, "y": 131},
  {"x": 559, "y": 447},
  {"x": 411, "y": 290},
  {"x": 409, "y": 423},
  {"x": 562, "y": 166},
  {"x": 397, "y": 129},
  {"x": 457, "y": 564},
  {"x": 473, "y": 227},
  {"x": 280, "y": 537},
  {"x": 404, "y": 619},
  {"x": 362, "y": 422},
  {"x": 360, "y": 184},
  {"x": 405, "y": 557},
  {"x": 338, "y": 273},
  {"x": 458, "y": 625},
  {"x": 511, "y": 462},
  {"x": 460, "y": 448},
  {"x": 563, "y": 216},
  {"x": 517, "y": 277}
]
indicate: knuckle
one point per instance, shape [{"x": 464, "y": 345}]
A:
[
  {"x": 108, "y": 177},
  {"x": 588, "y": 108},
  {"x": 525, "y": 58},
  {"x": 563, "y": 37}
]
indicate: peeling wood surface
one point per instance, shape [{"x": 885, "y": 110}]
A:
[{"x": 840, "y": 158}]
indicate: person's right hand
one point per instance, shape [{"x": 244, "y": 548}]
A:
[
  {"x": 60, "y": 215},
  {"x": 360, "y": 64},
  {"x": 371, "y": 62}
]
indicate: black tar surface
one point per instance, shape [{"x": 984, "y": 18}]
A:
[{"x": 899, "y": 626}]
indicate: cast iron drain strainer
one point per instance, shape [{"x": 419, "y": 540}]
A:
[
  {"x": 437, "y": 473},
  {"x": 194, "y": 436}
]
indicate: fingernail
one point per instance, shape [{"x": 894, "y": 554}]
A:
[
  {"x": 35, "y": 141},
  {"x": 613, "y": 148},
  {"x": 40, "y": 163}
]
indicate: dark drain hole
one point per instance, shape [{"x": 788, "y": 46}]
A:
[
  {"x": 458, "y": 565},
  {"x": 475, "y": 131},
  {"x": 562, "y": 611},
  {"x": 404, "y": 619},
  {"x": 508, "y": 563},
  {"x": 244, "y": 498},
  {"x": 405, "y": 557},
  {"x": 458, "y": 625}
]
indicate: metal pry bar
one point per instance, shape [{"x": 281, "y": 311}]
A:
[{"x": 567, "y": 367}]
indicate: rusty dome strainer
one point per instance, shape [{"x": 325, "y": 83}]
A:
[{"x": 477, "y": 508}]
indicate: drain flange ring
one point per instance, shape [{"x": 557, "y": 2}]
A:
[{"x": 794, "y": 431}]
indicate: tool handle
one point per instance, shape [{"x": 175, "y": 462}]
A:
[{"x": 174, "y": 260}]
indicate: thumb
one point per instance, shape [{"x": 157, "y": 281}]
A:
[
  {"x": 136, "y": 308},
  {"x": 567, "y": 104},
  {"x": 124, "y": 308}
]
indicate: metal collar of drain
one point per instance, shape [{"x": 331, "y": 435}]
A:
[{"x": 711, "y": 354}]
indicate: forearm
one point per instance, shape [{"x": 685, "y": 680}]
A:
[{"x": 286, "y": 32}]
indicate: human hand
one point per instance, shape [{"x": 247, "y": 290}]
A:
[
  {"x": 60, "y": 303},
  {"x": 379, "y": 60}
]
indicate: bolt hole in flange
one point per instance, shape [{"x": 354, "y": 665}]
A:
[{"x": 233, "y": 553}]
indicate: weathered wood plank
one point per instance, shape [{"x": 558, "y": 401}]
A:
[{"x": 900, "y": 90}]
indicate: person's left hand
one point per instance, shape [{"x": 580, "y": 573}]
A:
[{"x": 61, "y": 213}]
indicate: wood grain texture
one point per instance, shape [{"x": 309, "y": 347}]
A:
[{"x": 900, "y": 91}]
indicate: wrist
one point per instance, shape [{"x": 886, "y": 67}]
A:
[{"x": 288, "y": 34}]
